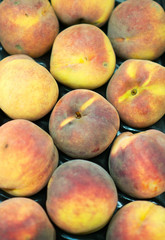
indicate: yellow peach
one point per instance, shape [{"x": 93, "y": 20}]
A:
[
  {"x": 83, "y": 124},
  {"x": 137, "y": 163},
  {"x": 28, "y": 157},
  {"x": 82, "y": 57},
  {"x": 23, "y": 218},
  {"x": 81, "y": 197},
  {"x": 88, "y": 11},
  {"x": 27, "y": 26},
  {"x": 27, "y": 89},
  {"x": 137, "y": 29},
  {"x": 137, "y": 91},
  {"x": 138, "y": 220}
]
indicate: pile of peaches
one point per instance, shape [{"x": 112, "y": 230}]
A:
[{"x": 82, "y": 120}]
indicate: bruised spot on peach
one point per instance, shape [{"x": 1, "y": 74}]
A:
[{"x": 18, "y": 47}]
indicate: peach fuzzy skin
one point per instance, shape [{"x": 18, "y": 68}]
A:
[
  {"x": 137, "y": 91},
  {"x": 86, "y": 200},
  {"x": 82, "y": 57},
  {"x": 27, "y": 26},
  {"x": 137, "y": 29},
  {"x": 23, "y": 218},
  {"x": 137, "y": 163},
  {"x": 27, "y": 89},
  {"x": 28, "y": 158},
  {"x": 89, "y": 11},
  {"x": 138, "y": 220},
  {"x": 83, "y": 124}
]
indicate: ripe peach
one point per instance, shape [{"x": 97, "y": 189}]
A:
[
  {"x": 81, "y": 197},
  {"x": 137, "y": 163},
  {"x": 27, "y": 26},
  {"x": 138, "y": 220},
  {"x": 137, "y": 91},
  {"x": 90, "y": 11},
  {"x": 27, "y": 89},
  {"x": 23, "y": 218},
  {"x": 28, "y": 157},
  {"x": 83, "y": 123},
  {"x": 82, "y": 57},
  {"x": 136, "y": 29}
]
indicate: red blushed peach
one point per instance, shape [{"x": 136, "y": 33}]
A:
[
  {"x": 138, "y": 220},
  {"x": 27, "y": 89},
  {"x": 95, "y": 12},
  {"x": 23, "y": 218},
  {"x": 81, "y": 197},
  {"x": 137, "y": 91},
  {"x": 137, "y": 163},
  {"x": 136, "y": 29},
  {"x": 28, "y": 158},
  {"x": 83, "y": 124},
  {"x": 82, "y": 57},
  {"x": 27, "y": 26}
]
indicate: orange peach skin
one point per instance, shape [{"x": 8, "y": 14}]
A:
[
  {"x": 27, "y": 26},
  {"x": 83, "y": 124},
  {"x": 90, "y": 11},
  {"x": 81, "y": 197},
  {"x": 27, "y": 89},
  {"x": 28, "y": 158},
  {"x": 137, "y": 163},
  {"x": 137, "y": 29},
  {"x": 138, "y": 220},
  {"x": 82, "y": 57},
  {"x": 137, "y": 91},
  {"x": 23, "y": 218}
]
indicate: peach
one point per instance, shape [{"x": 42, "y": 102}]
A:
[
  {"x": 81, "y": 197},
  {"x": 136, "y": 29},
  {"x": 82, "y": 57},
  {"x": 138, "y": 220},
  {"x": 83, "y": 123},
  {"x": 137, "y": 91},
  {"x": 27, "y": 89},
  {"x": 137, "y": 163},
  {"x": 27, "y": 26},
  {"x": 28, "y": 157},
  {"x": 89, "y": 11},
  {"x": 23, "y": 218}
]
